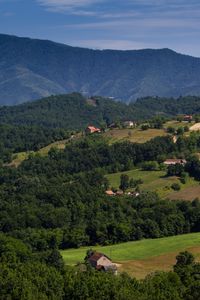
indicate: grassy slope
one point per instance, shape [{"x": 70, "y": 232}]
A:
[
  {"x": 138, "y": 250},
  {"x": 135, "y": 135},
  {"x": 21, "y": 156},
  {"x": 154, "y": 181}
]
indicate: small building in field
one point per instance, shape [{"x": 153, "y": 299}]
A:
[
  {"x": 119, "y": 193},
  {"x": 101, "y": 262},
  {"x": 112, "y": 125},
  {"x": 92, "y": 129},
  {"x": 174, "y": 161},
  {"x": 129, "y": 124},
  {"x": 187, "y": 118}
]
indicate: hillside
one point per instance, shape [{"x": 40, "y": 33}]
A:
[
  {"x": 72, "y": 111},
  {"x": 75, "y": 112},
  {"x": 31, "y": 69}
]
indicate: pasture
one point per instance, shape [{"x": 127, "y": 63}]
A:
[
  {"x": 154, "y": 181},
  {"x": 142, "y": 257},
  {"x": 135, "y": 135}
]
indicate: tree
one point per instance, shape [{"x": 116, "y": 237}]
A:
[
  {"x": 176, "y": 187},
  {"x": 180, "y": 131},
  {"x": 124, "y": 182},
  {"x": 171, "y": 130}
]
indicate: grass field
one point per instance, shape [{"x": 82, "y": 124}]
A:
[
  {"x": 188, "y": 193},
  {"x": 59, "y": 145},
  {"x": 135, "y": 135},
  {"x": 154, "y": 181},
  {"x": 18, "y": 158},
  {"x": 176, "y": 124},
  {"x": 142, "y": 257}
]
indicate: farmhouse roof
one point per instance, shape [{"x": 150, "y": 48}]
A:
[
  {"x": 110, "y": 193},
  {"x": 93, "y": 129},
  {"x": 173, "y": 161},
  {"x": 96, "y": 256}
]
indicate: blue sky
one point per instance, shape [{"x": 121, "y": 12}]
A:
[{"x": 103, "y": 24}]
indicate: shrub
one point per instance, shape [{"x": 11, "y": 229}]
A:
[{"x": 176, "y": 187}]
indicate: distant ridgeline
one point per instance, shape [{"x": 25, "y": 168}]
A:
[
  {"x": 75, "y": 112},
  {"x": 33, "y": 69}
]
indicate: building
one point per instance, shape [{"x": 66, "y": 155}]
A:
[
  {"x": 129, "y": 124},
  {"x": 187, "y": 118},
  {"x": 174, "y": 161},
  {"x": 101, "y": 262},
  {"x": 92, "y": 129},
  {"x": 112, "y": 125},
  {"x": 110, "y": 193}
]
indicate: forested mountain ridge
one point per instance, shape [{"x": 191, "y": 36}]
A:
[
  {"x": 75, "y": 112},
  {"x": 72, "y": 111},
  {"x": 31, "y": 69}
]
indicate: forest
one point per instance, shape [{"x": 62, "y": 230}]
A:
[
  {"x": 57, "y": 195},
  {"x": 75, "y": 112}
]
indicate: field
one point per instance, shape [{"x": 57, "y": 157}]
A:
[
  {"x": 142, "y": 257},
  {"x": 18, "y": 158},
  {"x": 195, "y": 127},
  {"x": 154, "y": 181},
  {"x": 176, "y": 124},
  {"x": 188, "y": 193},
  {"x": 135, "y": 135}
]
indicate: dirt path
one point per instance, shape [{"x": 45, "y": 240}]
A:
[{"x": 195, "y": 127}]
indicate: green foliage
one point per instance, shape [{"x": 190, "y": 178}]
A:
[
  {"x": 171, "y": 130},
  {"x": 176, "y": 187},
  {"x": 150, "y": 166},
  {"x": 26, "y": 138},
  {"x": 124, "y": 182}
]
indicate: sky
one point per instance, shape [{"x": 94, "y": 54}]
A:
[{"x": 107, "y": 24}]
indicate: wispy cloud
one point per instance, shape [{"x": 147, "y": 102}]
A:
[{"x": 68, "y": 5}]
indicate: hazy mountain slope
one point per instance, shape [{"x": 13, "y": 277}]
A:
[{"x": 31, "y": 69}]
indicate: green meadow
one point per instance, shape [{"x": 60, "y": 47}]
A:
[
  {"x": 138, "y": 250},
  {"x": 154, "y": 181}
]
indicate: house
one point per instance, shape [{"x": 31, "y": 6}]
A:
[
  {"x": 92, "y": 129},
  {"x": 133, "y": 194},
  {"x": 112, "y": 125},
  {"x": 174, "y": 161},
  {"x": 187, "y": 118},
  {"x": 119, "y": 193},
  {"x": 129, "y": 124},
  {"x": 110, "y": 193},
  {"x": 101, "y": 262}
]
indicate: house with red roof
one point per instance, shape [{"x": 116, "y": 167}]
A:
[
  {"x": 101, "y": 262},
  {"x": 92, "y": 129}
]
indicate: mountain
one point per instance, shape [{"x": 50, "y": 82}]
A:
[{"x": 31, "y": 69}]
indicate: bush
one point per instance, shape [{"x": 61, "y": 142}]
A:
[
  {"x": 171, "y": 129},
  {"x": 150, "y": 166},
  {"x": 145, "y": 127},
  {"x": 176, "y": 187}
]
